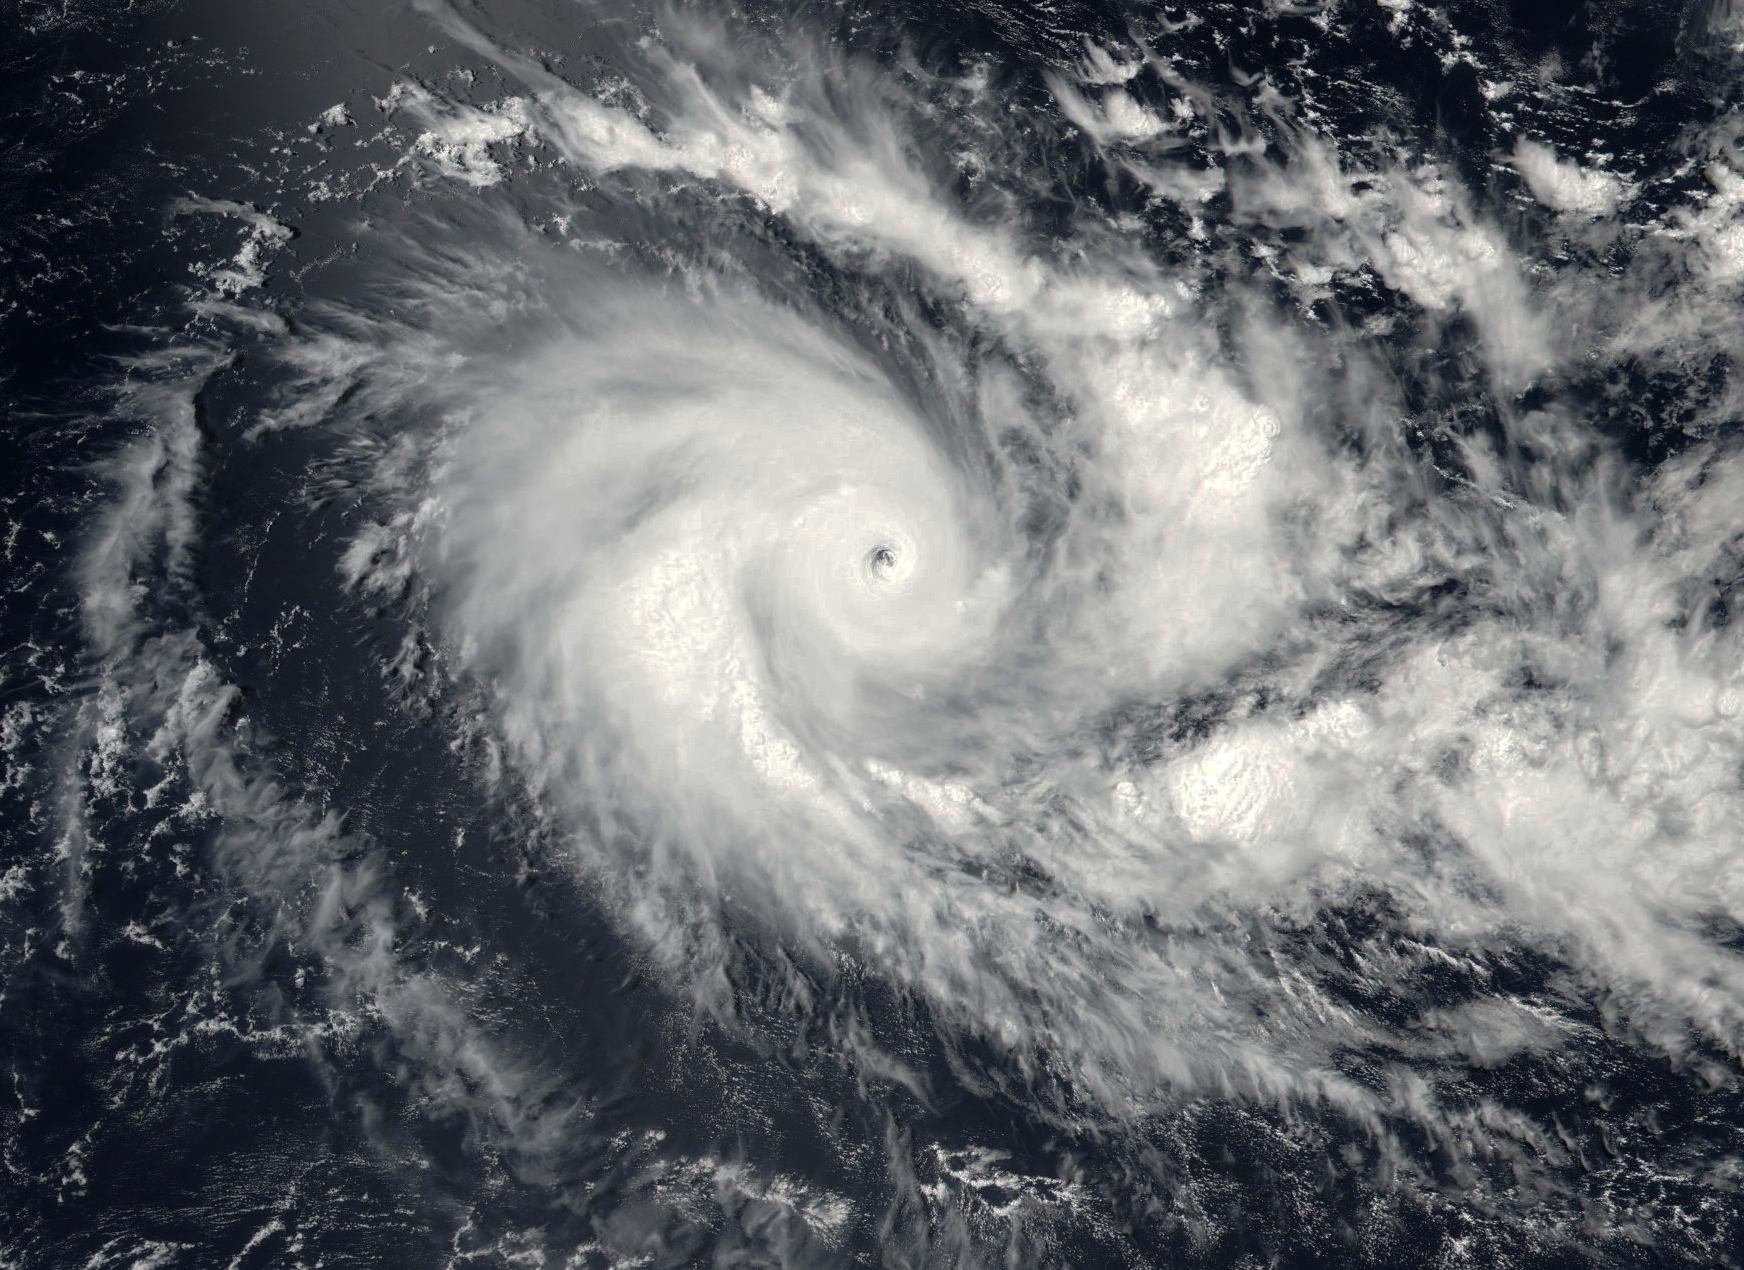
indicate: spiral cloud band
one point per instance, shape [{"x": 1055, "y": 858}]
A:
[
  {"x": 804, "y": 646},
  {"x": 824, "y": 634},
  {"x": 879, "y": 654}
]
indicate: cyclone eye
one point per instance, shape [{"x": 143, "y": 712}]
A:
[{"x": 882, "y": 559}]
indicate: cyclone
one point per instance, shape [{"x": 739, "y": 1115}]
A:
[
  {"x": 800, "y": 636},
  {"x": 763, "y": 555}
]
